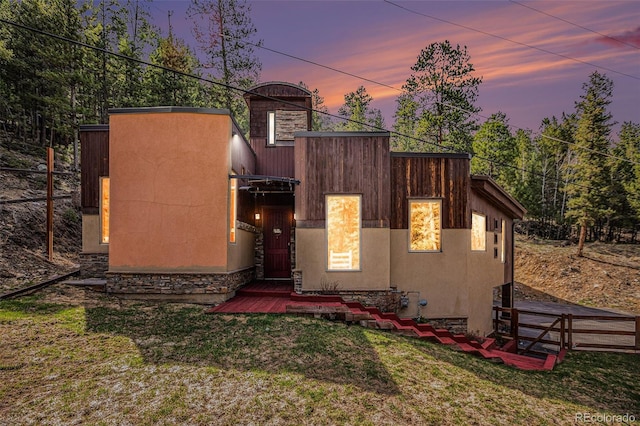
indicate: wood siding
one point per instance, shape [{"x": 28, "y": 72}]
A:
[
  {"x": 430, "y": 176},
  {"x": 94, "y": 158},
  {"x": 343, "y": 163},
  {"x": 275, "y": 160}
]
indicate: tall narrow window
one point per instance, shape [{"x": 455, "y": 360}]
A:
[
  {"x": 104, "y": 210},
  {"x": 478, "y": 232},
  {"x": 271, "y": 128},
  {"x": 343, "y": 232},
  {"x": 503, "y": 244},
  {"x": 233, "y": 208},
  {"x": 424, "y": 225}
]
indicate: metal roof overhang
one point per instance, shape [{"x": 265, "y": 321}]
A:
[{"x": 260, "y": 184}]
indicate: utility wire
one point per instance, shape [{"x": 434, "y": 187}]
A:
[
  {"x": 606, "y": 154},
  {"x": 540, "y": 49},
  {"x": 575, "y": 25},
  {"x": 245, "y": 91}
]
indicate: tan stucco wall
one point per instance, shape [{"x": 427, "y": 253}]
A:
[
  {"x": 242, "y": 253},
  {"x": 455, "y": 282},
  {"x": 311, "y": 255},
  {"x": 91, "y": 235},
  {"x": 169, "y": 192}
]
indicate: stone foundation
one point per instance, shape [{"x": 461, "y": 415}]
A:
[
  {"x": 94, "y": 265},
  {"x": 454, "y": 325},
  {"x": 385, "y": 300},
  {"x": 195, "y": 288}
]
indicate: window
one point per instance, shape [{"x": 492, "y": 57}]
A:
[
  {"x": 233, "y": 208},
  {"x": 104, "y": 210},
  {"x": 503, "y": 245},
  {"x": 478, "y": 232},
  {"x": 343, "y": 232},
  {"x": 424, "y": 225},
  {"x": 271, "y": 128}
]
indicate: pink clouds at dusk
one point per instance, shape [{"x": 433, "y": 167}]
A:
[{"x": 533, "y": 56}]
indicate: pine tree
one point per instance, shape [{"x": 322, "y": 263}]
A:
[
  {"x": 225, "y": 34},
  {"x": 359, "y": 115},
  {"x": 495, "y": 151},
  {"x": 444, "y": 89},
  {"x": 320, "y": 121},
  {"x": 589, "y": 189}
]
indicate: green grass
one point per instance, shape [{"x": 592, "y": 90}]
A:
[{"x": 168, "y": 364}]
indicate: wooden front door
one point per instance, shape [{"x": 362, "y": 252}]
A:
[{"x": 277, "y": 238}]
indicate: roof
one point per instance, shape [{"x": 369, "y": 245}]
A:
[
  {"x": 339, "y": 134},
  {"x": 461, "y": 156},
  {"x": 497, "y": 196}
]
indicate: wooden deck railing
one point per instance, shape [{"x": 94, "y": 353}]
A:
[{"x": 567, "y": 331}]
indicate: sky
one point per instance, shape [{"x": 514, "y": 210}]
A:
[{"x": 533, "y": 63}]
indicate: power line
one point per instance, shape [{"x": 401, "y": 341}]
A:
[
  {"x": 576, "y": 25},
  {"x": 540, "y": 49},
  {"x": 245, "y": 91},
  {"x": 443, "y": 103}
]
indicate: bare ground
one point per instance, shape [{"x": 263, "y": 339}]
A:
[{"x": 607, "y": 276}]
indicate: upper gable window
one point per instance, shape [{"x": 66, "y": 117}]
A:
[
  {"x": 424, "y": 225},
  {"x": 478, "y": 232},
  {"x": 282, "y": 125},
  {"x": 271, "y": 128}
]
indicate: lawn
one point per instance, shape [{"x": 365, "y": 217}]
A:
[{"x": 107, "y": 362}]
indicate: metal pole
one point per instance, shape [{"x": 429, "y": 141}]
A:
[{"x": 50, "y": 203}]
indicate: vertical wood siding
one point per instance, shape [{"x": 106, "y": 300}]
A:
[
  {"x": 94, "y": 157},
  {"x": 446, "y": 177},
  {"x": 343, "y": 164}
]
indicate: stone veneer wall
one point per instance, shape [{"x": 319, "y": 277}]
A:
[
  {"x": 194, "y": 287},
  {"x": 94, "y": 265},
  {"x": 454, "y": 325}
]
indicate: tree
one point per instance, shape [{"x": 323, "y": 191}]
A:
[
  {"x": 625, "y": 174},
  {"x": 589, "y": 189},
  {"x": 168, "y": 87},
  {"x": 320, "y": 121},
  {"x": 495, "y": 151},
  {"x": 224, "y": 32},
  {"x": 358, "y": 114},
  {"x": 441, "y": 92}
]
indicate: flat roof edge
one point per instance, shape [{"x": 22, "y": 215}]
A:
[
  {"x": 454, "y": 155},
  {"x": 169, "y": 109},
  {"x": 94, "y": 127},
  {"x": 338, "y": 134}
]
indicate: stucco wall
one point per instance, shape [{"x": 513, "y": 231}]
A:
[
  {"x": 169, "y": 192},
  {"x": 242, "y": 253},
  {"x": 455, "y": 282},
  {"x": 311, "y": 257},
  {"x": 91, "y": 235}
]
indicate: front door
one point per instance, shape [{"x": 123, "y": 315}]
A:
[{"x": 277, "y": 238}]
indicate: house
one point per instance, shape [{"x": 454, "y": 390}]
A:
[{"x": 177, "y": 205}]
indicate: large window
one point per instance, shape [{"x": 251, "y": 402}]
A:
[
  {"x": 233, "y": 208},
  {"x": 424, "y": 225},
  {"x": 104, "y": 210},
  {"x": 478, "y": 232},
  {"x": 343, "y": 232}
]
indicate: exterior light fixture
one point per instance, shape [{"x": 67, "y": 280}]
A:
[{"x": 257, "y": 216}]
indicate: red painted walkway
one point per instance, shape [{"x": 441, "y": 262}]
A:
[{"x": 278, "y": 298}]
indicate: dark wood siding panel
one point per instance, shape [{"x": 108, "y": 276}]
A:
[
  {"x": 343, "y": 164},
  {"x": 431, "y": 177},
  {"x": 274, "y": 161},
  {"x": 94, "y": 158}
]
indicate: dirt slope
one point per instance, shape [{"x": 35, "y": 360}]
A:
[
  {"x": 607, "y": 276},
  {"x": 23, "y": 258}
]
